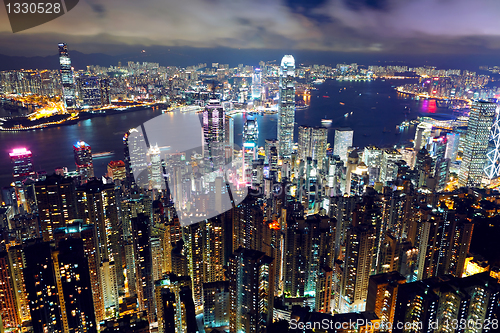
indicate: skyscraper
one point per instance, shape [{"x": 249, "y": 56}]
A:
[
  {"x": 134, "y": 151},
  {"x": 83, "y": 160},
  {"x": 313, "y": 143},
  {"x": 251, "y": 291},
  {"x": 67, "y": 79},
  {"x": 56, "y": 201},
  {"x": 286, "y": 105},
  {"x": 476, "y": 143},
  {"x": 492, "y": 167},
  {"x": 8, "y": 310},
  {"x": 21, "y": 163},
  {"x": 342, "y": 141},
  {"x": 250, "y": 141},
  {"x": 214, "y": 135}
]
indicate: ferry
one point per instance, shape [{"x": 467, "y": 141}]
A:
[{"x": 102, "y": 154}]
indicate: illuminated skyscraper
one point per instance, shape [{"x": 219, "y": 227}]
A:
[
  {"x": 56, "y": 201},
  {"x": 156, "y": 181},
  {"x": 250, "y": 141},
  {"x": 342, "y": 141},
  {"x": 357, "y": 266},
  {"x": 257, "y": 84},
  {"x": 492, "y": 168},
  {"x": 68, "y": 82},
  {"x": 8, "y": 310},
  {"x": 286, "y": 106},
  {"x": 214, "y": 135},
  {"x": 83, "y": 160},
  {"x": 476, "y": 143},
  {"x": 313, "y": 143},
  {"x": 135, "y": 151},
  {"x": 22, "y": 163}
]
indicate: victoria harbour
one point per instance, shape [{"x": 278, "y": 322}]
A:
[{"x": 376, "y": 110}]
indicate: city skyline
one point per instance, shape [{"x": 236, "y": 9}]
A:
[{"x": 208, "y": 198}]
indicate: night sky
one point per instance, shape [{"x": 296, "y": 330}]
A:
[{"x": 450, "y": 27}]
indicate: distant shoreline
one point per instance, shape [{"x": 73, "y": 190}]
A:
[{"x": 57, "y": 120}]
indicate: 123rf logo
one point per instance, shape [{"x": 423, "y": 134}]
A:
[{"x": 26, "y": 14}]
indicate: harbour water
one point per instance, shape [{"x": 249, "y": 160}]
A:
[{"x": 373, "y": 110}]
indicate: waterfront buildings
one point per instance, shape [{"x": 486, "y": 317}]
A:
[
  {"x": 22, "y": 163},
  {"x": 83, "y": 160}
]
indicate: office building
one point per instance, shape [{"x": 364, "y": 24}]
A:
[
  {"x": 83, "y": 160},
  {"x": 90, "y": 91},
  {"x": 213, "y": 122},
  {"x": 341, "y": 142},
  {"x": 68, "y": 81},
  {"x": 313, "y": 143},
  {"x": 22, "y": 164},
  {"x": 476, "y": 143},
  {"x": 116, "y": 170},
  {"x": 286, "y": 106}
]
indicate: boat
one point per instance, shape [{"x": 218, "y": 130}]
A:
[
  {"x": 346, "y": 115},
  {"x": 341, "y": 103},
  {"x": 102, "y": 154},
  {"x": 326, "y": 121}
]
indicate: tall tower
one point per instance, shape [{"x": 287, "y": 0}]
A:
[
  {"x": 83, "y": 160},
  {"x": 476, "y": 143},
  {"x": 22, "y": 164},
  {"x": 286, "y": 106},
  {"x": 492, "y": 168},
  {"x": 134, "y": 151},
  {"x": 68, "y": 82},
  {"x": 214, "y": 135},
  {"x": 342, "y": 141},
  {"x": 250, "y": 141}
]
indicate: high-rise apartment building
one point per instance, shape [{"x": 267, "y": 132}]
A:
[
  {"x": 286, "y": 106},
  {"x": 56, "y": 201},
  {"x": 476, "y": 143},
  {"x": 251, "y": 291},
  {"x": 8, "y": 306}
]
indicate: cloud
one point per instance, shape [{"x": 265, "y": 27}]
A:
[{"x": 404, "y": 26}]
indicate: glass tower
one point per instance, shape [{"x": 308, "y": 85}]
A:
[
  {"x": 286, "y": 106},
  {"x": 67, "y": 79},
  {"x": 476, "y": 143}
]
